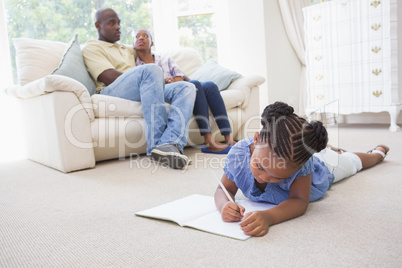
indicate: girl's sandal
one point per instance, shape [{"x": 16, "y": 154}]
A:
[{"x": 375, "y": 151}]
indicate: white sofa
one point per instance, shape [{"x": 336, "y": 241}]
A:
[{"x": 68, "y": 129}]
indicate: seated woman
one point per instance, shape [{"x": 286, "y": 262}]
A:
[{"x": 208, "y": 95}]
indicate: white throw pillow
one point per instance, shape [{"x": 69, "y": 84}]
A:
[
  {"x": 188, "y": 59},
  {"x": 36, "y": 58}
]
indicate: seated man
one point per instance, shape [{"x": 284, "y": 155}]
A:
[{"x": 112, "y": 67}]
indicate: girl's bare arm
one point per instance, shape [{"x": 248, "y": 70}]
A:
[
  {"x": 257, "y": 223},
  {"x": 230, "y": 211}
]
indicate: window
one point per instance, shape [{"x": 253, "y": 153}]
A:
[
  {"x": 197, "y": 26},
  {"x": 60, "y": 20},
  {"x": 190, "y": 23}
]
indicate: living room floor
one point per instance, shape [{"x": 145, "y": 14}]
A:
[{"x": 86, "y": 218}]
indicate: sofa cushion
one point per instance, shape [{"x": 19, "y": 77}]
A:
[
  {"x": 72, "y": 65},
  {"x": 212, "y": 71},
  {"x": 106, "y": 106},
  {"x": 36, "y": 58}
]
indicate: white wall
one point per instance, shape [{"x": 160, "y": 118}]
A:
[
  {"x": 399, "y": 18},
  {"x": 399, "y": 25},
  {"x": 283, "y": 65},
  {"x": 252, "y": 40},
  {"x": 241, "y": 39}
]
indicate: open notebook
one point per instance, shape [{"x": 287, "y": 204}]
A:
[{"x": 199, "y": 212}]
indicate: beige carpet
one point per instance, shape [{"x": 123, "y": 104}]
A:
[{"x": 86, "y": 218}]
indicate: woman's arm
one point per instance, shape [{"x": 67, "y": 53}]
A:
[
  {"x": 178, "y": 78},
  {"x": 257, "y": 223},
  {"x": 174, "y": 79},
  {"x": 174, "y": 71},
  {"x": 230, "y": 211}
]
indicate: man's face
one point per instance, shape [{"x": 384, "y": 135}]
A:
[{"x": 108, "y": 26}]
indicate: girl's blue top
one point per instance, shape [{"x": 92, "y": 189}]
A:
[{"x": 237, "y": 169}]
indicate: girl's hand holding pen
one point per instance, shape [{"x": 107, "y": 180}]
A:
[{"x": 232, "y": 212}]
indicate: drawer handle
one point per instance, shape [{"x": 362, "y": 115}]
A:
[
  {"x": 376, "y": 27},
  {"x": 377, "y": 93},
  {"x": 375, "y": 3},
  {"x": 377, "y": 71},
  {"x": 320, "y": 97},
  {"x": 319, "y": 77},
  {"x": 317, "y": 38},
  {"x": 317, "y": 18},
  {"x": 376, "y": 49},
  {"x": 318, "y": 58}
]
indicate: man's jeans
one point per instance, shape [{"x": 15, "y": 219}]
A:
[{"x": 146, "y": 84}]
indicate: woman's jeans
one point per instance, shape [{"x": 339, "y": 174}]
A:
[
  {"x": 209, "y": 96},
  {"x": 146, "y": 84}
]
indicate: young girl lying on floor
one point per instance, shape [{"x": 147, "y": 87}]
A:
[{"x": 287, "y": 163}]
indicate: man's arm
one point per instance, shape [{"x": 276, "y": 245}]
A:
[
  {"x": 98, "y": 63},
  {"x": 108, "y": 76}
]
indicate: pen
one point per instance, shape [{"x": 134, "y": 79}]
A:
[{"x": 223, "y": 188}]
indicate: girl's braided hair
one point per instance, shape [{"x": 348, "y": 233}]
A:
[{"x": 290, "y": 136}]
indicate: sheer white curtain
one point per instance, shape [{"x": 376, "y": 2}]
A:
[
  {"x": 292, "y": 17},
  {"x": 11, "y": 136},
  {"x": 5, "y": 63}
]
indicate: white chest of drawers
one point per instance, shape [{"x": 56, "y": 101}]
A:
[{"x": 351, "y": 57}]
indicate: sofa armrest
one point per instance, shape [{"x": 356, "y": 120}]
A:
[
  {"x": 57, "y": 131},
  {"x": 245, "y": 84},
  {"x": 250, "y": 122},
  {"x": 53, "y": 83}
]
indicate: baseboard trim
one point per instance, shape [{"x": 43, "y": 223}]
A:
[{"x": 368, "y": 118}]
